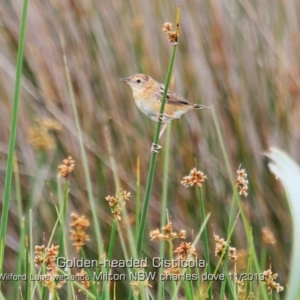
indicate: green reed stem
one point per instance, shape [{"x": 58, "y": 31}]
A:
[
  {"x": 19, "y": 261},
  {"x": 138, "y": 198},
  {"x": 172, "y": 282},
  {"x": 163, "y": 217},
  {"x": 93, "y": 287},
  {"x": 229, "y": 230},
  {"x": 109, "y": 254},
  {"x": 190, "y": 288},
  {"x": 63, "y": 247},
  {"x": 205, "y": 238},
  {"x": 63, "y": 216},
  {"x": 83, "y": 153},
  {"x": 27, "y": 269},
  {"x": 12, "y": 137},
  {"x": 154, "y": 155}
]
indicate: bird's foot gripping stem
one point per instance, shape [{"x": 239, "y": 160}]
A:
[
  {"x": 155, "y": 148},
  {"x": 161, "y": 118}
]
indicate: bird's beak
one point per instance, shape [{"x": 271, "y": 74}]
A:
[{"x": 125, "y": 79}]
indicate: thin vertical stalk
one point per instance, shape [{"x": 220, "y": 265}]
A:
[
  {"x": 63, "y": 216},
  {"x": 229, "y": 232},
  {"x": 27, "y": 269},
  {"x": 154, "y": 155},
  {"x": 12, "y": 137},
  {"x": 138, "y": 197},
  {"x": 172, "y": 282},
  {"x": 21, "y": 254},
  {"x": 83, "y": 154},
  {"x": 109, "y": 255},
  {"x": 164, "y": 205},
  {"x": 205, "y": 238}
]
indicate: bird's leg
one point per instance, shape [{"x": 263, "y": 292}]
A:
[
  {"x": 161, "y": 118},
  {"x": 155, "y": 147},
  {"x": 164, "y": 127}
]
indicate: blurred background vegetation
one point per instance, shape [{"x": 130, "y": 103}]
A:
[{"x": 240, "y": 57}]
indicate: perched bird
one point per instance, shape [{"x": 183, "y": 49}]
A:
[{"x": 148, "y": 93}]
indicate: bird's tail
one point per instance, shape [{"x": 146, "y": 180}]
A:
[{"x": 199, "y": 106}]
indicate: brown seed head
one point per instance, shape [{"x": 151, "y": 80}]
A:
[
  {"x": 67, "y": 167},
  {"x": 182, "y": 234},
  {"x": 241, "y": 182},
  {"x": 154, "y": 234},
  {"x": 39, "y": 135},
  {"x": 185, "y": 250},
  {"x": 117, "y": 203},
  {"x": 125, "y": 195},
  {"x": 220, "y": 245},
  {"x": 167, "y": 27},
  {"x": 47, "y": 257},
  {"x": 268, "y": 236},
  {"x": 269, "y": 281},
  {"x": 194, "y": 178},
  {"x": 50, "y": 257},
  {"x": 40, "y": 139},
  {"x": 172, "y": 35},
  {"x": 168, "y": 229},
  {"x": 168, "y": 234},
  {"x": 39, "y": 255},
  {"x": 78, "y": 231},
  {"x": 232, "y": 253}
]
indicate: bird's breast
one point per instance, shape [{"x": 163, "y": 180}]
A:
[{"x": 148, "y": 108}]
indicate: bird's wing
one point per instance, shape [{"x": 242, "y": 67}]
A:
[{"x": 172, "y": 98}]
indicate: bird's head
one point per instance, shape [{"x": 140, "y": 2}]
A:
[{"x": 138, "y": 82}]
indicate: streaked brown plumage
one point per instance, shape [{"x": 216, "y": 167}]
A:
[{"x": 148, "y": 93}]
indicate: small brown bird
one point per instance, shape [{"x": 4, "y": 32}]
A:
[{"x": 148, "y": 94}]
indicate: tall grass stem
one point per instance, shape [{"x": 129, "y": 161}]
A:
[
  {"x": 12, "y": 137},
  {"x": 154, "y": 155}
]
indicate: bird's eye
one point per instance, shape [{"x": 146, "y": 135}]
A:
[{"x": 138, "y": 81}]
